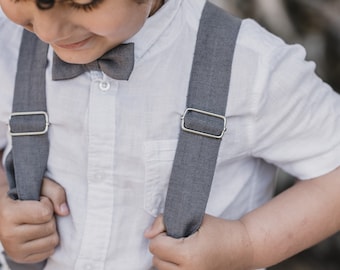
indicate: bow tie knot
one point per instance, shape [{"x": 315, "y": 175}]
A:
[{"x": 117, "y": 63}]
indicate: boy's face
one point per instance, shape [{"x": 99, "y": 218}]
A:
[{"x": 80, "y": 31}]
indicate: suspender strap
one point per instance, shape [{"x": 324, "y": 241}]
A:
[
  {"x": 26, "y": 164},
  {"x": 203, "y": 123}
]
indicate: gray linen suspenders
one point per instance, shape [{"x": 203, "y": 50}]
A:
[
  {"x": 203, "y": 123},
  {"x": 202, "y": 128},
  {"x": 26, "y": 163}
]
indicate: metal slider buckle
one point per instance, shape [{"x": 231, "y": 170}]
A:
[
  {"x": 29, "y": 133},
  {"x": 219, "y": 136}
]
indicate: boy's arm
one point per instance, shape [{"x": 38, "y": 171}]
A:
[
  {"x": 28, "y": 228},
  {"x": 291, "y": 222},
  {"x": 296, "y": 219}
]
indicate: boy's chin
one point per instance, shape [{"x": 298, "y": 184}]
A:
[{"x": 77, "y": 57}]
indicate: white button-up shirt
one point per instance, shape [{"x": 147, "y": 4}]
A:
[{"x": 112, "y": 143}]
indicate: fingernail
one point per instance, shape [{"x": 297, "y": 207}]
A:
[
  {"x": 64, "y": 209},
  {"x": 147, "y": 232}
]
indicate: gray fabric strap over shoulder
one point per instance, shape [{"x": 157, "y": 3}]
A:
[
  {"x": 26, "y": 163},
  {"x": 29, "y": 121},
  {"x": 203, "y": 123}
]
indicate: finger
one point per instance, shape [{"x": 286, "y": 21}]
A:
[
  {"x": 41, "y": 245},
  {"x": 35, "y": 251},
  {"x": 41, "y": 213},
  {"x": 33, "y": 258},
  {"x": 167, "y": 248},
  {"x": 20, "y": 235},
  {"x": 27, "y": 212},
  {"x": 164, "y": 265},
  {"x": 57, "y": 195},
  {"x": 38, "y": 257},
  {"x": 31, "y": 232},
  {"x": 156, "y": 228}
]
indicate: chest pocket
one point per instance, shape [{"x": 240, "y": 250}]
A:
[{"x": 159, "y": 157}]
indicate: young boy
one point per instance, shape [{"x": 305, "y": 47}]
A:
[{"x": 112, "y": 143}]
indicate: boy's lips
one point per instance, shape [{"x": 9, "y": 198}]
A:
[{"x": 74, "y": 45}]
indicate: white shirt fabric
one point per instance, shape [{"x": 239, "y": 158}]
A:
[{"x": 112, "y": 142}]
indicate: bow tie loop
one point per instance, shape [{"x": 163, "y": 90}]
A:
[{"x": 117, "y": 63}]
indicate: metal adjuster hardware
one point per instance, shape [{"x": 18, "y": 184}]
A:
[
  {"x": 29, "y": 133},
  {"x": 218, "y": 136}
]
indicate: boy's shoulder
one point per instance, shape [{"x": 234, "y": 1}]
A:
[
  {"x": 254, "y": 37},
  {"x": 256, "y": 41},
  {"x": 10, "y": 35}
]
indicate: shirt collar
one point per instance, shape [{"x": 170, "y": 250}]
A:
[{"x": 154, "y": 27}]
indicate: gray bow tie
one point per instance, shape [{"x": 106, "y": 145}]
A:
[{"x": 116, "y": 63}]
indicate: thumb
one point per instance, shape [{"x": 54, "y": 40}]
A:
[
  {"x": 57, "y": 195},
  {"x": 156, "y": 228}
]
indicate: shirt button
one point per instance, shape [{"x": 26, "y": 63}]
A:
[
  {"x": 99, "y": 177},
  {"x": 88, "y": 267},
  {"x": 104, "y": 85}
]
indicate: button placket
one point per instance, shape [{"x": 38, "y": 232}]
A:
[{"x": 100, "y": 179}]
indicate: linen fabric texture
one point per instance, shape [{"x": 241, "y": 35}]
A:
[{"x": 120, "y": 136}]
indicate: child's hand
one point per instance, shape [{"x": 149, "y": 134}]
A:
[
  {"x": 28, "y": 229},
  {"x": 218, "y": 245}
]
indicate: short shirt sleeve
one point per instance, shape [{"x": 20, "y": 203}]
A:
[{"x": 297, "y": 126}]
